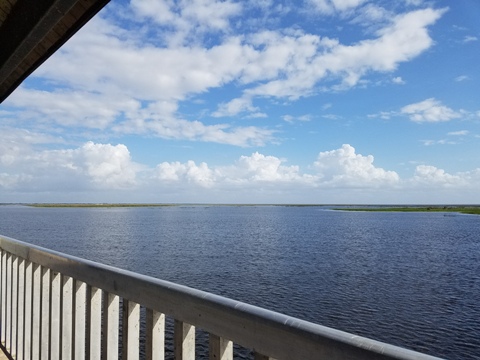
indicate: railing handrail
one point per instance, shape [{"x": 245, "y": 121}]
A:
[{"x": 267, "y": 332}]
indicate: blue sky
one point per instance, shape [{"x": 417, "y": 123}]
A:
[{"x": 314, "y": 101}]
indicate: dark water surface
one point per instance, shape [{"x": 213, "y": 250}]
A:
[{"x": 410, "y": 279}]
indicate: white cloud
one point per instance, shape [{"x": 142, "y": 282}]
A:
[
  {"x": 431, "y": 176},
  {"x": 398, "y": 80},
  {"x": 189, "y": 172},
  {"x": 332, "y": 6},
  {"x": 292, "y": 119},
  {"x": 317, "y": 59},
  {"x": 414, "y": 2},
  {"x": 101, "y": 166},
  {"x": 430, "y": 110},
  {"x": 458, "y": 133},
  {"x": 262, "y": 168},
  {"x": 188, "y": 17},
  {"x": 94, "y": 170},
  {"x": 468, "y": 39},
  {"x": 344, "y": 167},
  {"x": 159, "y": 119},
  {"x": 291, "y": 64},
  {"x": 438, "y": 142},
  {"x": 234, "y": 107},
  {"x": 372, "y": 16},
  {"x": 72, "y": 108},
  {"x": 107, "y": 165},
  {"x": 461, "y": 78}
]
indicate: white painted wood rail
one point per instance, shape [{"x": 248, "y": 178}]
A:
[{"x": 56, "y": 306}]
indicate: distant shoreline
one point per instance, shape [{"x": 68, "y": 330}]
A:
[{"x": 463, "y": 209}]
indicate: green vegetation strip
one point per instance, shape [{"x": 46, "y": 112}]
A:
[{"x": 457, "y": 209}]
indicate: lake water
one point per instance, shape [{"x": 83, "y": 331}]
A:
[{"x": 410, "y": 279}]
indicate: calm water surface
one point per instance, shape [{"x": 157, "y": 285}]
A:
[{"x": 410, "y": 279}]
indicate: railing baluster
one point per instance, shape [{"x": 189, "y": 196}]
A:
[
  {"x": 8, "y": 327},
  {"x": 27, "y": 346},
  {"x": 112, "y": 326},
  {"x": 80, "y": 319},
  {"x": 131, "y": 330},
  {"x": 3, "y": 325},
  {"x": 13, "y": 345},
  {"x": 219, "y": 348},
  {"x": 21, "y": 309},
  {"x": 55, "y": 327},
  {"x": 184, "y": 341},
  {"x": 95, "y": 323},
  {"x": 67, "y": 318},
  {"x": 155, "y": 335},
  {"x": 46, "y": 287},
  {"x": 36, "y": 311}
]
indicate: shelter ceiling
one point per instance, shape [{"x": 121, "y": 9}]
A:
[{"x": 32, "y": 30}]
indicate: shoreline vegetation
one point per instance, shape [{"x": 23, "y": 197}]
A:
[
  {"x": 463, "y": 209},
  {"x": 467, "y": 209}
]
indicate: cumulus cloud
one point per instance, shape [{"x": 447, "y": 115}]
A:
[
  {"x": 189, "y": 172},
  {"x": 101, "y": 166},
  {"x": 430, "y": 110},
  {"x": 107, "y": 165},
  {"x": 344, "y": 167},
  {"x": 263, "y": 168},
  {"x": 432, "y": 176}
]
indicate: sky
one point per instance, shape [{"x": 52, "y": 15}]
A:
[{"x": 277, "y": 102}]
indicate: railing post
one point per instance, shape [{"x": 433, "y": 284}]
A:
[
  {"x": 131, "y": 330},
  {"x": 3, "y": 324},
  {"x": 21, "y": 309},
  {"x": 80, "y": 319},
  {"x": 56, "y": 316},
  {"x": 112, "y": 326},
  {"x": 95, "y": 323},
  {"x": 67, "y": 318},
  {"x": 46, "y": 301},
  {"x": 13, "y": 344},
  {"x": 36, "y": 311},
  {"x": 27, "y": 345},
  {"x": 219, "y": 348},
  {"x": 155, "y": 335},
  {"x": 184, "y": 341},
  {"x": 8, "y": 327}
]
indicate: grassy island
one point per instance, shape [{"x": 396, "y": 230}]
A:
[{"x": 470, "y": 209}]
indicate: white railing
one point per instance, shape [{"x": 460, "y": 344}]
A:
[{"x": 56, "y": 306}]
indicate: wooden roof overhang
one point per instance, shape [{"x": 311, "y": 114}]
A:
[{"x": 32, "y": 30}]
